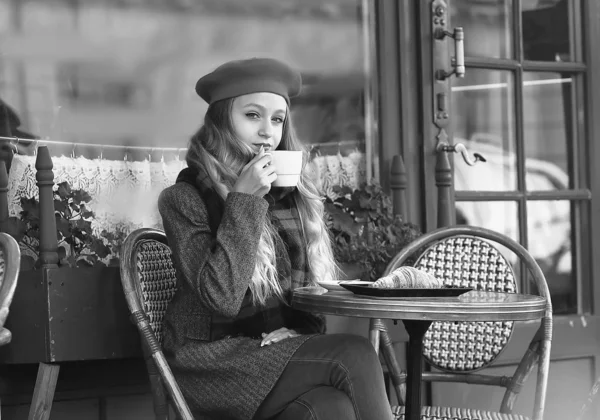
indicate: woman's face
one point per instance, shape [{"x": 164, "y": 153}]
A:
[{"x": 258, "y": 118}]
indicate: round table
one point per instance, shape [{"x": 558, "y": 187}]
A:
[{"x": 417, "y": 313}]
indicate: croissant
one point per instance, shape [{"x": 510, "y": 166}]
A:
[{"x": 408, "y": 277}]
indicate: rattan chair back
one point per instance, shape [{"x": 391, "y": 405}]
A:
[
  {"x": 466, "y": 261},
  {"x": 10, "y": 264},
  {"x": 468, "y": 256},
  {"x": 149, "y": 283}
]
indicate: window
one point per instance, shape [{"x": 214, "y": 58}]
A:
[{"x": 521, "y": 106}]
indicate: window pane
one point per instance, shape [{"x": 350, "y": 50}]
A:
[
  {"x": 549, "y": 242},
  {"x": 125, "y": 70},
  {"x": 547, "y": 35},
  {"x": 499, "y": 216},
  {"x": 547, "y": 126},
  {"x": 488, "y": 27},
  {"x": 483, "y": 120},
  {"x": 122, "y": 73}
]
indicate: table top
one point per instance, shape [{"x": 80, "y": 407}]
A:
[{"x": 471, "y": 306}]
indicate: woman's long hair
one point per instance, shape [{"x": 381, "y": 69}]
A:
[{"x": 216, "y": 149}]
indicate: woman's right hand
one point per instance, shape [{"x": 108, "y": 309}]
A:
[{"x": 257, "y": 176}]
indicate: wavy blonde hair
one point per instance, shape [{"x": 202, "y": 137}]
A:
[{"x": 216, "y": 149}]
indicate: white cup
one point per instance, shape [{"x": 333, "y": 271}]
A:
[{"x": 288, "y": 165}]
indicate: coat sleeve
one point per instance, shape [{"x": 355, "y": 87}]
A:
[
  {"x": 306, "y": 323},
  {"x": 217, "y": 270}
]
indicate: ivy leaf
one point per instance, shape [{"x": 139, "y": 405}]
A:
[
  {"x": 99, "y": 248},
  {"x": 63, "y": 190},
  {"x": 30, "y": 208},
  {"x": 62, "y": 252},
  {"x": 63, "y": 227},
  {"x": 81, "y": 196},
  {"x": 60, "y": 206}
]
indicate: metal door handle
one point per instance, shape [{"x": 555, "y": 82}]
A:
[
  {"x": 458, "y": 61},
  {"x": 461, "y": 148}
]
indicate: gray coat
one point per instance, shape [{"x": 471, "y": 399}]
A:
[{"x": 224, "y": 378}]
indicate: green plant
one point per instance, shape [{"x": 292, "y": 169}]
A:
[
  {"x": 364, "y": 228},
  {"x": 78, "y": 246}
]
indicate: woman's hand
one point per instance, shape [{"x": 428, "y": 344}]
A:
[
  {"x": 277, "y": 335},
  {"x": 257, "y": 176},
  {"x": 5, "y": 335}
]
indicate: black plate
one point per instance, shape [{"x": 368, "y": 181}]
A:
[{"x": 401, "y": 292}]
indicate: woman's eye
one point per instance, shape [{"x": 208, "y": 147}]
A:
[
  {"x": 252, "y": 115},
  {"x": 278, "y": 120}
]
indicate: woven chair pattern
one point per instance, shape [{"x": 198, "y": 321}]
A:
[
  {"x": 450, "y": 413},
  {"x": 463, "y": 261},
  {"x": 158, "y": 282}
]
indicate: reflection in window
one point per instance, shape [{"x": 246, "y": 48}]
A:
[
  {"x": 484, "y": 121},
  {"x": 550, "y": 239},
  {"x": 546, "y": 32},
  {"x": 126, "y": 69},
  {"x": 123, "y": 82},
  {"x": 488, "y": 26},
  {"x": 499, "y": 216},
  {"x": 547, "y": 129}
]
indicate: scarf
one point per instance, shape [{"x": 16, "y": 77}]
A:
[{"x": 290, "y": 248}]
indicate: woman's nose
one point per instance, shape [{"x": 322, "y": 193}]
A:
[{"x": 266, "y": 130}]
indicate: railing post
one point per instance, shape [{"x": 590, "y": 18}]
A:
[
  {"x": 443, "y": 181},
  {"x": 45, "y": 182},
  {"x": 3, "y": 197},
  {"x": 398, "y": 184}
]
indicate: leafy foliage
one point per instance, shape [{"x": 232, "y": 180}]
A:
[
  {"x": 78, "y": 246},
  {"x": 364, "y": 228}
]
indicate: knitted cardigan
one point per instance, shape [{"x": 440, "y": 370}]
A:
[{"x": 221, "y": 378}]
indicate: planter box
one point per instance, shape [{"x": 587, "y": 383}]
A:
[{"x": 69, "y": 314}]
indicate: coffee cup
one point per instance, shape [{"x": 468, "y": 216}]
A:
[{"x": 288, "y": 165}]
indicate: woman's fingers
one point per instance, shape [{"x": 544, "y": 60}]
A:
[{"x": 277, "y": 335}]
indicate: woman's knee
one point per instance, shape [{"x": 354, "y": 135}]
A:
[
  {"x": 321, "y": 403},
  {"x": 356, "y": 349}
]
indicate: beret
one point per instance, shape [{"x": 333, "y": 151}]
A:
[{"x": 241, "y": 77}]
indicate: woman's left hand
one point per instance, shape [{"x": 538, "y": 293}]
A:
[{"x": 277, "y": 335}]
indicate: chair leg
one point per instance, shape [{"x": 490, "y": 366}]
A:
[
  {"x": 379, "y": 337},
  {"x": 374, "y": 333},
  {"x": 159, "y": 397},
  {"x": 43, "y": 393}
]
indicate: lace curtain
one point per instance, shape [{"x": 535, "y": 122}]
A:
[{"x": 125, "y": 194}]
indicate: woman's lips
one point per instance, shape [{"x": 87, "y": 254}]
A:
[{"x": 267, "y": 146}]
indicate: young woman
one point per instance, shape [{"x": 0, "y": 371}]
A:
[{"x": 240, "y": 247}]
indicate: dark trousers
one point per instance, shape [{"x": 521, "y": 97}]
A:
[{"x": 330, "y": 377}]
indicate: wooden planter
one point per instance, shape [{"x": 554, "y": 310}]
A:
[{"x": 69, "y": 314}]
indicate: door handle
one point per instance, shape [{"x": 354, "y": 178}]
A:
[
  {"x": 461, "y": 148},
  {"x": 439, "y": 63},
  {"x": 458, "y": 61}
]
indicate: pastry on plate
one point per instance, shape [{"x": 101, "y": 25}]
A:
[{"x": 408, "y": 278}]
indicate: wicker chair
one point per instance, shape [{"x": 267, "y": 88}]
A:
[
  {"x": 10, "y": 263},
  {"x": 465, "y": 256},
  {"x": 149, "y": 284},
  {"x": 591, "y": 408}
]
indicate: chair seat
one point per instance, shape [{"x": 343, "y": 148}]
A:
[{"x": 452, "y": 413}]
